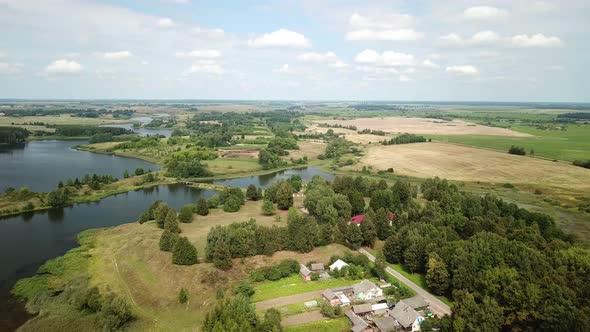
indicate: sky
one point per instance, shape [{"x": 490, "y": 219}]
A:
[{"x": 495, "y": 50}]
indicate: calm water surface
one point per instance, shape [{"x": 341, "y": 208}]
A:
[{"x": 40, "y": 165}]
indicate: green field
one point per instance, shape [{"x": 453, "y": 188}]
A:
[
  {"x": 571, "y": 144},
  {"x": 294, "y": 285},
  {"x": 331, "y": 325}
]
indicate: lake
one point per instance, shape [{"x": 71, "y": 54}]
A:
[
  {"x": 143, "y": 131},
  {"x": 38, "y": 236},
  {"x": 40, "y": 165}
]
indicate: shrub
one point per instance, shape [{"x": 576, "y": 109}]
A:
[
  {"x": 202, "y": 207},
  {"x": 245, "y": 289},
  {"x": 144, "y": 217},
  {"x": 115, "y": 313},
  {"x": 212, "y": 203},
  {"x": 268, "y": 209},
  {"x": 182, "y": 296},
  {"x": 508, "y": 185},
  {"x": 253, "y": 193},
  {"x": 184, "y": 253},
  {"x": 168, "y": 240},
  {"x": 517, "y": 150},
  {"x": 232, "y": 204},
  {"x": 170, "y": 222},
  {"x": 186, "y": 214}
]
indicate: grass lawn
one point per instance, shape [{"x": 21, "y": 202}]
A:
[
  {"x": 293, "y": 309},
  {"x": 331, "y": 325},
  {"x": 571, "y": 144},
  {"x": 294, "y": 285},
  {"x": 233, "y": 165}
]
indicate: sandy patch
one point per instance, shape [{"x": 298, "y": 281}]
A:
[
  {"x": 470, "y": 164},
  {"x": 423, "y": 126},
  {"x": 239, "y": 153}
]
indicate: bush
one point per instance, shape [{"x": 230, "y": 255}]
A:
[
  {"x": 245, "y": 289},
  {"x": 170, "y": 222},
  {"x": 202, "y": 207},
  {"x": 508, "y": 185},
  {"x": 168, "y": 240},
  {"x": 582, "y": 163},
  {"x": 517, "y": 150},
  {"x": 184, "y": 253},
  {"x": 115, "y": 313},
  {"x": 182, "y": 296},
  {"x": 212, "y": 203},
  {"x": 144, "y": 217},
  {"x": 186, "y": 214},
  {"x": 268, "y": 209},
  {"x": 232, "y": 204},
  {"x": 253, "y": 193}
]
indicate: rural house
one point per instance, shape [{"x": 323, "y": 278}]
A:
[
  {"x": 337, "y": 265},
  {"x": 367, "y": 291},
  {"x": 337, "y": 296},
  {"x": 358, "y": 324},
  {"x": 305, "y": 273},
  {"x": 359, "y": 218},
  {"x": 407, "y": 318}
]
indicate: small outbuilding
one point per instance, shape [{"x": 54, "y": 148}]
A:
[{"x": 337, "y": 265}]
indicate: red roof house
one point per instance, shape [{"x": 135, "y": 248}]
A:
[{"x": 358, "y": 219}]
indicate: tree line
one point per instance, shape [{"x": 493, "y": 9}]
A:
[
  {"x": 13, "y": 135},
  {"x": 406, "y": 139}
]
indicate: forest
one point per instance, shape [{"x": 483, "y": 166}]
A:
[{"x": 13, "y": 135}]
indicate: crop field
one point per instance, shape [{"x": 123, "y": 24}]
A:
[
  {"x": 570, "y": 144},
  {"x": 470, "y": 164},
  {"x": 424, "y": 126}
]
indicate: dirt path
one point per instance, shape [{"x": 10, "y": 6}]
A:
[
  {"x": 304, "y": 318},
  {"x": 436, "y": 306},
  {"x": 281, "y": 301}
]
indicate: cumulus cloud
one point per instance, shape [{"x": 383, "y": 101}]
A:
[
  {"x": 384, "y": 28},
  {"x": 165, "y": 23},
  {"x": 339, "y": 64},
  {"x": 463, "y": 70},
  {"x": 206, "y": 67},
  {"x": 429, "y": 64},
  {"x": 284, "y": 69},
  {"x": 9, "y": 68},
  {"x": 317, "y": 57},
  {"x": 387, "y": 58},
  {"x": 450, "y": 40},
  {"x": 119, "y": 55},
  {"x": 484, "y": 13},
  {"x": 203, "y": 54},
  {"x": 537, "y": 40},
  {"x": 63, "y": 66},
  {"x": 208, "y": 33},
  {"x": 280, "y": 38},
  {"x": 485, "y": 37}
]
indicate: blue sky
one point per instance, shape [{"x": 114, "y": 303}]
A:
[{"x": 496, "y": 50}]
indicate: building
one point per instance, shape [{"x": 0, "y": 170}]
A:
[
  {"x": 362, "y": 309},
  {"x": 337, "y": 296},
  {"x": 416, "y": 302},
  {"x": 367, "y": 291},
  {"x": 385, "y": 324},
  {"x": 359, "y": 218},
  {"x": 358, "y": 324},
  {"x": 379, "y": 308},
  {"x": 337, "y": 265},
  {"x": 317, "y": 267},
  {"x": 305, "y": 273},
  {"x": 407, "y": 318}
]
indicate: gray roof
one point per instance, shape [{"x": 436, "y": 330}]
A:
[
  {"x": 358, "y": 324},
  {"x": 362, "y": 308},
  {"x": 416, "y": 302},
  {"x": 329, "y": 294},
  {"x": 364, "y": 287},
  {"x": 404, "y": 314},
  {"x": 385, "y": 324},
  {"x": 317, "y": 267},
  {"x": 304, "y": 270}
]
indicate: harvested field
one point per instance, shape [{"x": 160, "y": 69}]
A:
[
  {"x": 350, "y": 135},
  {"x": 470, "y": 164},
  {"x": 423, "y": 126},
  {"x": 239, "y": 153},
  {"x": 307, "y": 148}
]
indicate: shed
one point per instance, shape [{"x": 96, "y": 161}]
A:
[
  {"x": 317, "y": 267},
  {"x": 337, "y": 265},
  {"x": 385, "y": 324},
  {"x": 362, "y": 309}
]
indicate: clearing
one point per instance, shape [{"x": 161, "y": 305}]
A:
[
  {"x": 426, "y": 160},
  {"x": 423, "y": 126}
]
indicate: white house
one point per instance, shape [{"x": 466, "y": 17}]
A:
[
  {"x": 367, "y": 291},
  {"x": 337, "y": 265},
  {"x": 408, "y": 318}
]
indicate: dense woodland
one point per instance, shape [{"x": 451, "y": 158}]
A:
[
  {"x": 505, "y": 267},
  {"x": 13, "y": 135}
]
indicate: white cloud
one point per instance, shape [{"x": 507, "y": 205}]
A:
[
  {"x": 463, "y": 70},
  {"x": 484, "y": 13},
  {"x": 404, "y": 78},
  {"x": 376, "y": 70},
  {"x": 9, "y": 68},
  {"x": 317, "y": 57},
  {"x": 203, "y": 54},
  {"x": 339, "y": 64},
  {"x": 451, "y": 40},
  {"x": 280, "y": 38},
  {"x": 485, "y": 37},
  {"x": 385, "y": 28},
  {"x": 206, "y": 66},
  {"x": 177, "y": 1},
  {"x": 285, "y": 69},
  {"x": 117, "y": 55},
  {"x": 537, "y": 40},
  {"x": 63, "y": 66},
  {"x": 165, "y": 23},
  {"x": 430, "y": 64},
  {"x": 208, "y": 33},
  {"x": 387, "y": 58}
]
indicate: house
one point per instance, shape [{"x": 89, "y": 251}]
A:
[
  {"x": 416, "y": 302},
  {"x": 407, "y": 318},
  {"x": 317, "y": 267},
  {"x": 359, "y": 218},
  {"x": 337, "y": 296},
  {"x": 367, "y": 291},
  {"x": 379, "y": 308},
  {"x": 362, "y": 309},
  {"x": 358, "y": 324},
  {"x": 305, "y": 273},
  {"x": 337, "y": 265},
  {"x": 385, "y": 324}
]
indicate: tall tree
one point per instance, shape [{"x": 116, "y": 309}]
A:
[
  {"x": 202, "y": 207},
  {"x": 186, "y": 214},
  {"x": 184, "y": 253},
  {"x": 284, "y": 196},
  {"x": 369, "y": 232},
  {"x": 437, "y": 275}
]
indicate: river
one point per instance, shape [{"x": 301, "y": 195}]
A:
[{"x": 28, "y": 240}]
